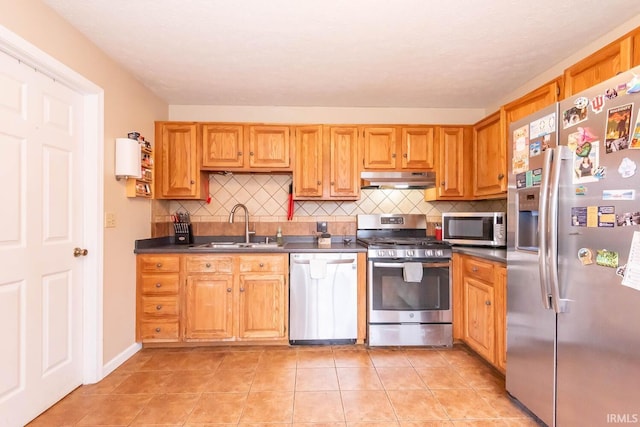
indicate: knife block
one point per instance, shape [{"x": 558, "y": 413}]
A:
[{"x": 183, "y": 233}]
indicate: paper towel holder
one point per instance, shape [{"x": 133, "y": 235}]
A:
[{"x": 128, "y": 159}]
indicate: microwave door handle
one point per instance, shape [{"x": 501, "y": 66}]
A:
[{"x": 543, "y": 221}]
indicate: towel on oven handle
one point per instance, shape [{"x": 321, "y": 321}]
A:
[
  {"x": 412, "y": 272},
  {"x": 318, "y": 268}
]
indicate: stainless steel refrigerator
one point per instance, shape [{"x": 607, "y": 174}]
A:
[{"x": 573, "y": 258}]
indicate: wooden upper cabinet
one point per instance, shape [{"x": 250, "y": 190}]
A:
[
  {"x": 308, "y": 168},
  {"x": 635, "y": 37},
  {"x": 379, "y": 148},
  {"x": 532, "y": 102},
  {"x": 344, "y": 166},
  {"x": 489, "y": 158},
  {"x": 178, "y": 173},
  {"x": 269, "y": 147},
  {"x": 222, "y": 146},
  {"x": 454, "y": 147},
  {"x": 418, "y": 147},
  {"x": 600, "y": 66}
]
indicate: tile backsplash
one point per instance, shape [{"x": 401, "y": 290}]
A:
[{"x": 266, "y": 197}]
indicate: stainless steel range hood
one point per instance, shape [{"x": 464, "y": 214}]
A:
[{"x": 398, "y": 180}]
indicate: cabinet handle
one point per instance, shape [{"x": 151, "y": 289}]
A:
[
  {"x": 241, "y": 289},
  {"x": 393, "y": 156},
  {"x": 239, "y": 153},
  {"x": 261, "y": 264},
  {"x": 487, "y": 302},
  {"x": 208, "y": 265},
  {"x": 159, "y": 265},
  {"x": 158, "y": 285},
  {"x": 474, "y": 269},
  {"x": 442, "y": 183},
  {"x": 193, "y": 182},
  {"x": 228, "y": 289},
  {"x": 332, "y": 183},
  {"x": 319, "y": 183},
  {"x": 157, "y": 329},
  {"x": 500, "y": 175},
  {"x": 251, "y": 153},
  {"x": 159, "y": 307},
  {"x": 405, "y": 155}
]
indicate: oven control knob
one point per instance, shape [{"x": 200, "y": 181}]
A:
[
  {"x": 428, "y": 253},
  {"x": 439, "y": 252},
  {"x": 380, "y": 253},
  {"x": 410, "y": 252},
  {"x": 392, "y": 253}
]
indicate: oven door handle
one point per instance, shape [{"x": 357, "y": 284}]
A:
[
  {"x": 333, "y": 261},
  {"x": 401, "y": 264}
]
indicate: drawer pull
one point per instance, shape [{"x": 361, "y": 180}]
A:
[
  {"x": 158, "y": 285},
  {"x": 241, "y": 289},
  {"x": 261, "y": 264},
  {"x": 159, "y": 307},
  {"x": 157, "y": 329},
  {"x": 487, "y": 302},
  {"x": 474, "y": 269},
  {"x": 159, "y": 265},
  {"x": 208, "y": 265},
  {"x": 228, "y": 289}
]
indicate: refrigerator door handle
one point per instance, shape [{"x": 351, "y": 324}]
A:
[
  {"x": 543, "y": 220},
  {"x": 552, "y": 261}
]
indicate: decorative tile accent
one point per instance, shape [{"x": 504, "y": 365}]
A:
[{"x": 266, "y": 198}]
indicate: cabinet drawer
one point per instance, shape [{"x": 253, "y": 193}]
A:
[
  {"x": 158, "y": 284},
  {"x": 478, "y": 269},
  {"x": 209, "y": 264},
  {"x": 160, "y": 306},
  {"x": 159, "y": 263},
  {"x": 262, "y": 263},
  {"x": 159, "y": 330}
]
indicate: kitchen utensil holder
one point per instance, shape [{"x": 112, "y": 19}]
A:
[{"x": 183, "y": 233}]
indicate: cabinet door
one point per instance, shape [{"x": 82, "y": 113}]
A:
[
  {"x": 308, "y": 162},
  {"x": 269, "y": 147},
  {"x": 379, "y": 148},
  {"x": 209, "y": 307},
  {"x": 598, "y": 67},
  {"x": 450, "y": 180},
  {"x": 178, "y": 171},
  {"x": 418, "y": 148},
  {"x": 489, "y": 158},
  {"x": 345, "y": 173},
  {"x": 262, "y": 306},
  {"x": 530, "y": 103},
  {"x": 479, "y": 318},
  {"x": 500, "y": 293},
  {"x": 222, "y": 146}
]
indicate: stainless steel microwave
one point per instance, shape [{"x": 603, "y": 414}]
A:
[{"x": 475, "y": 228}]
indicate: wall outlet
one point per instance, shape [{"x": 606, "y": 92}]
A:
[
  {"x": 109, "y": 220},
  {"x": 321, "y": 226}
]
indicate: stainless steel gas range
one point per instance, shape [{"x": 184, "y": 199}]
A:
[{"x": 408, "y": 281}]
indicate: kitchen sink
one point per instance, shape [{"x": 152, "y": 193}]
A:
[{"x": 236, "y": 245}]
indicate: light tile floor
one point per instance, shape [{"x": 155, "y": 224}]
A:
[{"x": 309, "y": 386}]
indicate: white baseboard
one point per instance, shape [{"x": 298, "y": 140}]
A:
[{"x": 111, "y": 366}]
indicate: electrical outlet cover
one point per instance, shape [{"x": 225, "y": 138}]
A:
[{"x": 321, "y": 226}]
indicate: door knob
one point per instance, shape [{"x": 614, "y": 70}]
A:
[{"x": 79, "y": 252}]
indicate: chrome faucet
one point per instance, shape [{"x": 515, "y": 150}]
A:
[{"x": 246, "y": 220}]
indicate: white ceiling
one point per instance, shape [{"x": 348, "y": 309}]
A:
[{"x": 341, "y": 53}]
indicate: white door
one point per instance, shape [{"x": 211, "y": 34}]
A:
[{"x": 41, "y": 224}]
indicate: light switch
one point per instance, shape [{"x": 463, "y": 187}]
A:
[{"x": 109, "y": 220}]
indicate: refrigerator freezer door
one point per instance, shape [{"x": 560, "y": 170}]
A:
[
  {"x": 531, "y": 324},
  {"x": 598, "y": 349}
]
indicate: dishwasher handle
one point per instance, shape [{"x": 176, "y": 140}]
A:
[{"x": 329, "y": 261}]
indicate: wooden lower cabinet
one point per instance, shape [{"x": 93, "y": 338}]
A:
[
  {"x": 212, "y": 298},
  {"x": 479, "y": 292}
]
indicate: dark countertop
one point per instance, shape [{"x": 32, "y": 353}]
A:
[
  {"x": 163, "y": 245},
  {"x": 491, "y": 254}
]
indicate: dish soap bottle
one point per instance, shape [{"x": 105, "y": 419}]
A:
[{"x": 279, "y": 239}]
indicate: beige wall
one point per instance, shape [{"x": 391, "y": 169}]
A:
[
  {"x": 325, "y": 115},
  {"x": 127, "y": 106}
]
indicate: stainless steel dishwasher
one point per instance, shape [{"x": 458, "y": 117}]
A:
[{"x": 323, "y": 302}]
